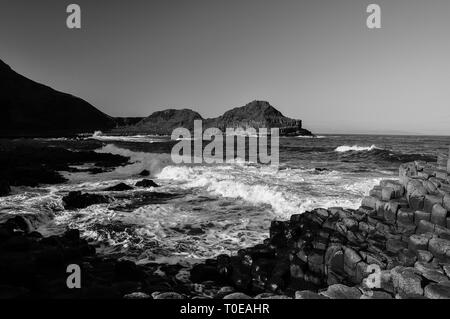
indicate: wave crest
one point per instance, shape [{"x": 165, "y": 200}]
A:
[{"x": 355, "y": 148}]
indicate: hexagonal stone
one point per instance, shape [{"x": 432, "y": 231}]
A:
[
  {"x": 369, "y": 201},
  {"x": 421, "y": 215},
  {"x": 416, "y": 202},
  {"x": 424, "y": 256},
  {"x": 438, "y": 247},
  {"x": 405, "y": 216},
  {"x": 387, "y": 193},
  {"x": 395, "y": 246},
  {"x": 439, "y": 215},
  {"x": 430, "y": 201},
  {"x": 390, "y": 210},
  {"x": 437, "y": 291},
  {"x": 446, "y": 201},
  {"x": 375, "y": 192},
  {"x": 418, "y": 242},
  {"x": 425, "y": 227}
]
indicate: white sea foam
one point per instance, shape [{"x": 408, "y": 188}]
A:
[
  {"x": 357, "y": 148},
  {"x": 153, "y": 162},
  {"x": 287, "y": 191},
  {"x": 98, "y": 135}
]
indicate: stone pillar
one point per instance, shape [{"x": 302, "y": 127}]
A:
[
  {"x": 448, "y": 161},
  {"x": 442, "y": 161}
]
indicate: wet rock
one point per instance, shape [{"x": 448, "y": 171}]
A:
[
  {"x": 137, "y": 295},
  {"x": 339, "y": 291},
  {"x": 19, "y": 223},
  {"x": 119, "y": 188},
  {"x": 77, "y": 200},
  {"x": 146, "y": 183},
  {"x": 437, "y": 291},
  {"x": 406, "y": 281},
  {"x": 439, "y": 215},
  {"x": 424, "y": 256},
  {"x": 224, "y": 291},
  {"x": 418, "y": 242},
  {"x": 438, "y": 247},
  {"x": 421, "y": 215},
  {"x": 168, "y": 295},
  {"x": 144, "y": 173},
  {"x": 373, "y": 294},
  {"x": 306, "y": 294},
  {"x": 395, "y": 245},
  {"x": 237, "y": 295}
]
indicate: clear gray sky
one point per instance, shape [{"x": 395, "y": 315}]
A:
[{"x": 315, "y": 60}]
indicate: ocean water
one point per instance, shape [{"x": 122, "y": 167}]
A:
[{"x": 200, "y": 211}]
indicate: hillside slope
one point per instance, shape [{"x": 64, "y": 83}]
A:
[{"x": 30, "y": 108}]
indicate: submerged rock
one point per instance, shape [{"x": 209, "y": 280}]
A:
[
  {"x": 77, "y": 199},
  {"x": 119, "y": 187},
  {"x": 146, "y": 183},
  {"x": 144, "y": 173}
]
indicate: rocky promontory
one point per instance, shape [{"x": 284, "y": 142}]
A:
[{"x": 256, "y": 114}]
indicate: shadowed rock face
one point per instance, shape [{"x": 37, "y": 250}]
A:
[
  {"x": 30, "y": 108},
  {"x": 256, "y": 114},
  {"x": 164, "y": 122}
]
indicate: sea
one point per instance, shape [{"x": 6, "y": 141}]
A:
[{"x": 203, "y": 210}]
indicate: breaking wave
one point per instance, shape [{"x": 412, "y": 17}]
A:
[{"x": 356, "y": 148}]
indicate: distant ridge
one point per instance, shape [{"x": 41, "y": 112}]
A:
[
  {"x": 256, "y": 114},
  {"x": 29, "y": 108}
]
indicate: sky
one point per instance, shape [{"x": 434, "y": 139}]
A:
[{"x": 313, "y": 60}]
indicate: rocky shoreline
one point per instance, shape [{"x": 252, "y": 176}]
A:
[{"x": 396, "y": 245}]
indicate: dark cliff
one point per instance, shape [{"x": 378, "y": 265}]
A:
[{"x": 29, "y": 109}]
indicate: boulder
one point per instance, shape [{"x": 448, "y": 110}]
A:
[
  {"x": 430, "y": 201},
  {"x": 19, "y": 223},
  {"x": 437, "y": 291},
  {"x": 136, "y": 295},
  {"x": 405, "y": 216},
  {"x": 439, "y": 247},
  {"x": 418, "y": 242},
  {"x": 424, "y": 256},
  {"x": 446, "y": 202},
  {"x": 146, "y": 183},
  {"x": 421, "y": 215},
  {"x": 425, "y": 227},
  {"x": 119, "y": 188},
  {"x": 237, "y": 295},
  {"x": 374, "y": 294},
  {"x": 387, "y": 193},
  {"x": 168, "y": 295},
  {"x": 144, "y": 173},
  {"x": 406, "y": 281},
  {"x": 77, "y": 199},
  {"x": 439, "y": 215},
  {"x": 306, "y": 294},
  {"x": 339, "y": 291}
]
